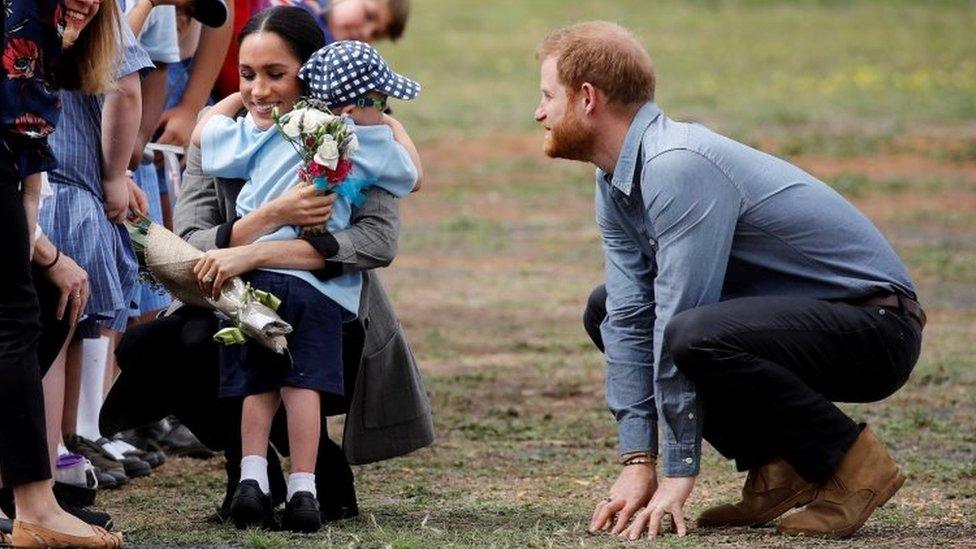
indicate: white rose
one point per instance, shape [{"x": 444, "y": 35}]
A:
[
  {"x": 327, "y": 154},
  {"x": 292, "y": 127},
  {"x": 315, "y": 119}
]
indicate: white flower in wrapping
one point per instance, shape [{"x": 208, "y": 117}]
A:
[
  {"x": 328, "y": 154},
  {"x": 352, "y": 145}
]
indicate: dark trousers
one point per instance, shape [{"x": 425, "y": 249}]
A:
[
  {"x": 23, "y": 442},
  {"x": 170, "y": 366},
  {"x": 769, "y": 369}
]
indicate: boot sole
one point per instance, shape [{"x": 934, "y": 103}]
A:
[
  {"x": 878, "y": 501},
  {"x": 798, "y": 499}
]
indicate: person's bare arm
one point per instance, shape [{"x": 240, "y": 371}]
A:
[
  {"x": 218, "y": 265},
  {"x": 153, "y": 100},
  {"x": 302, "y": 206},
  {"x": 403, "y": 138},
  {"x": 228, "y": 106},
  {"x": 138, "y": 15},
  {"x": 31, "y": 197},
  {"x": 178, "y": 122},
  {"x": 119, "y": 130}
]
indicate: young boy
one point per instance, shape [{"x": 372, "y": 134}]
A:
[
  {"x": 364, "y": 20},
  {"x": 349, "y": 78}
]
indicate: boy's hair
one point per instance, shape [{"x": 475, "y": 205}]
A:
[
  {"x": 399, "y": 12},
  {"x": 606, "y": 55},
  {"x": 89, "y": 65}
]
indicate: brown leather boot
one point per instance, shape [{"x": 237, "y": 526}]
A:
[
  {"x": 865, "y": 479},
  {"x": 770, "y": 491}
]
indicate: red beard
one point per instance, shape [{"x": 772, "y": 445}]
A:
[
  {"x": 569, "y": 139},
  {"x": 20, "y": 58}
]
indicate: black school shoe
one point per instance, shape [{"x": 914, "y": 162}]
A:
[
  {"x": 302, "y": 514},
  {"x": 339, "y": 510},
  {"x": 251, "y": 507}
]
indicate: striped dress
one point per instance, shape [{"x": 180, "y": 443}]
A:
[{"x": 74, "y": 218}]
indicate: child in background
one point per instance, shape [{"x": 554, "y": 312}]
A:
[
  {"x": 363, "y": 20},
  {"x": 154, "y": 23},
  {"x": 352, "y": 79}
]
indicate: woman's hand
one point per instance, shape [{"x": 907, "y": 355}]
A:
[
  {"x": 217, "y": 266},
  {"x": 72, "y": 282},
  {"x": 302, "y": 205}
]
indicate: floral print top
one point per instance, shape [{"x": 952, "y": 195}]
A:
[{"x": 29, "y": 99}]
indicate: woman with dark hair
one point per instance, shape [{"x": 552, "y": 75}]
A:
[
  {"x": 31, "y": 46},
  {"x": 374, "y": 346}
]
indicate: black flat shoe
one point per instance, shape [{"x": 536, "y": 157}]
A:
[
  {"x": 76, "y": 495},
  {"x": 302, "y": 514},
  {"x": 89, "y": 516},
  {"x": 251, "y": 507}
]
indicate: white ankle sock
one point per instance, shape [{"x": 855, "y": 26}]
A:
[
  {"x": 300, "y": 482},
  {"x": 92, "y": 379},
  {"x": 256, "y": 468}
]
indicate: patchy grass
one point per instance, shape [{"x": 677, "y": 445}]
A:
[{"x": 500, "y": 251}]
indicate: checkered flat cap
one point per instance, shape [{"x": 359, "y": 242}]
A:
[{"x": 343, "y": 71}]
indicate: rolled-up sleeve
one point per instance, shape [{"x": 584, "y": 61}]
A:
[
  {"x": 693, "y": 209},
  {"x": 628, "y": 332}
]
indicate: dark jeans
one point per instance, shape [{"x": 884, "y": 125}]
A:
[
  {"x": 769, "y": 369},
  {"x": 23, "y": 443},
  {"x": 170, "y": 366}
]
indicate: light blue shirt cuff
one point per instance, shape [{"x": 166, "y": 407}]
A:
[
  {"x": 681, "y": 460},
  {"x": 636, "y": 434}
]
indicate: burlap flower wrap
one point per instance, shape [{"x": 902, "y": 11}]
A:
[{"x": 170, "y": 261}]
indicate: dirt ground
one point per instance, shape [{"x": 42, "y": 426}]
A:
[{"x": 494, "y": 268}]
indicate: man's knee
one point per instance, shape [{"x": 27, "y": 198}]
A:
[
  {"x": 689, "y": 337},
  {"x": 596, "y": 311}
]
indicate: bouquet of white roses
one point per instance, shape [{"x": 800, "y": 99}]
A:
[{"x": 325, "y": 144}]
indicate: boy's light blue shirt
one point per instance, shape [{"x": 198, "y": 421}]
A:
[
  {"x": 701, "y": 219},
  {"x": 237, "y": 149}
]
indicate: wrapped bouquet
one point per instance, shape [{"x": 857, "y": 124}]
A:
[
  {"x": 167, "y": 260},
  {"x": 326, "y": 145}
]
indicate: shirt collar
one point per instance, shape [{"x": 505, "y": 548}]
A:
[{"x": 623, "y": 173}]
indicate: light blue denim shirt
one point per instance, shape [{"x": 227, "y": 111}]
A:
[{"x": 701, "y": 219}]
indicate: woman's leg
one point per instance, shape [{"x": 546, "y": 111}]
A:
[
  {"x": 72, "y": 386},
  {"x": 302, "y": 408},
  {"x": 23, "y": 443},
  {"x": 54, "y": 400}
]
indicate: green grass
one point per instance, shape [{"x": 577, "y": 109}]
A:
[
  {"x": 857, "y": 73},
  {"x": 500, "y": 250}
]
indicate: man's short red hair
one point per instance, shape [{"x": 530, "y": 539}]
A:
[{"x": 606, "y": 55}]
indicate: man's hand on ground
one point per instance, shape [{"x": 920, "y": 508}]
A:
[
  {"x": 633, "y": 489},
  {"x": 670, "y": 499}
]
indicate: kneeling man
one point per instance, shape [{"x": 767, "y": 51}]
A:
[{"x": 743, "y": 298}]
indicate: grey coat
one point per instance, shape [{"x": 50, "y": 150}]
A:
[{"x": 389, "y": 413}]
